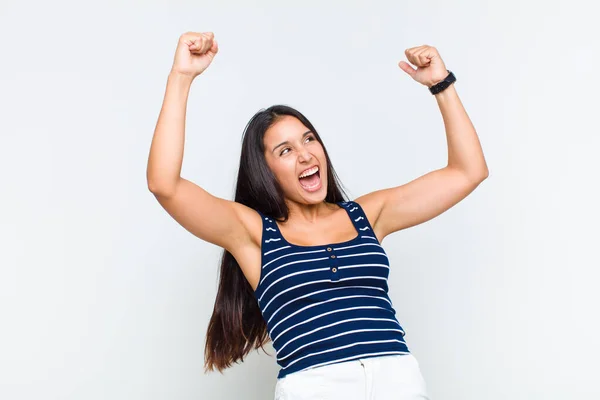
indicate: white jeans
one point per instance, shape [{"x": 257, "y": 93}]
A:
[{"x": 390, "y": 377}]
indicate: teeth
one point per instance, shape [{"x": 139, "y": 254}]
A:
[{"x": 309, "y": 172}]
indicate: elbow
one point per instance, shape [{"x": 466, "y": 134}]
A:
[
  {"x": 152, "y": 187},
  {"x": 159, "y": 190},
  {"x": 484, "y": 174},
  {"x": 476, "y": 176},
  {"x": 480, "y": 176},
  {"x": 161, "y": 185}
]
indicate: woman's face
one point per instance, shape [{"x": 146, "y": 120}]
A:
[{"x": 290, "y": 149}]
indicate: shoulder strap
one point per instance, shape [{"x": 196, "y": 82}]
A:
[
  {"x": 272, "y": 240},
  {"x": 359, "y": 219}
]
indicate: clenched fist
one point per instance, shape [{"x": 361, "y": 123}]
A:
[
  {"x": 195, "y": 51},
  {"x": 430, "y": 67}
]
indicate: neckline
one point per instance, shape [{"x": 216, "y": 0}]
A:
[{"x": 326, "y": 244}]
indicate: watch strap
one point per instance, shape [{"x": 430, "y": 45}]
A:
[{"x": 448, "y": 80}]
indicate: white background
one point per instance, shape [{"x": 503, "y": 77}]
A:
[{"x": 104, "y": 296}]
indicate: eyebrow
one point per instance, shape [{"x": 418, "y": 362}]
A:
[{"x": 286, "y": 142}]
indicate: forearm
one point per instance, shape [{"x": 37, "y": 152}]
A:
[
  {"x": 464, "y": 149},
  {"x": 166, "y": 151}
]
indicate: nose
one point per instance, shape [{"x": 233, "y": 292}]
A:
[{"x": 304, "y": 155}]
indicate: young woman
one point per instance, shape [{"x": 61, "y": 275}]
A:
[{"x": 303, "y": 266}]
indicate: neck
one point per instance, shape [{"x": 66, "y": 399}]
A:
[{"x": 309, "y": 213}]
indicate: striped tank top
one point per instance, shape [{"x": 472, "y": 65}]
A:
[{"x": 328, "y": 303}]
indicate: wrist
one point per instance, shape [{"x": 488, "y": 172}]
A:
[
  {"x": 443, "y": 84},
  {"x": 446, "y": 94},
  {"x": 180, "y": 78},
  {"x": 439, "y": 78}
]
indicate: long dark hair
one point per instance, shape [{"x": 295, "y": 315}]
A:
[{"x": 237, "y": 326}]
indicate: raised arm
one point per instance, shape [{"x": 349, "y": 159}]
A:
[
  {"x": 210, "y": 218},
  {"x": 430, "y": 195}
]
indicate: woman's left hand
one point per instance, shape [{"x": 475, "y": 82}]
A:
[{"x": 430, "y": 66}]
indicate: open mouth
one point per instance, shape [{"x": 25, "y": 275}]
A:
[{"x": 311, "y": 182}]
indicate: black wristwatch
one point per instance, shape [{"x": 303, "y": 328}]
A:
[{"x": 438, "y": 87}]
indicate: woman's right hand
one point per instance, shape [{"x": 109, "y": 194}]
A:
[{"x": 195, "y": 51}]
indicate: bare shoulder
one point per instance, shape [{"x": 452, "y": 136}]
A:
[
  {"x": 228, "y": 224},
  {"x": 372, "y": 204},
  {"x": 225, "y": 223}
]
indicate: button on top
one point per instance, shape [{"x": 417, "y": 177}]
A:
[{"x": 329, "y": 249}]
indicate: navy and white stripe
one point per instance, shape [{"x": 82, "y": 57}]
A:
[{"x": 328, "y": 303}]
